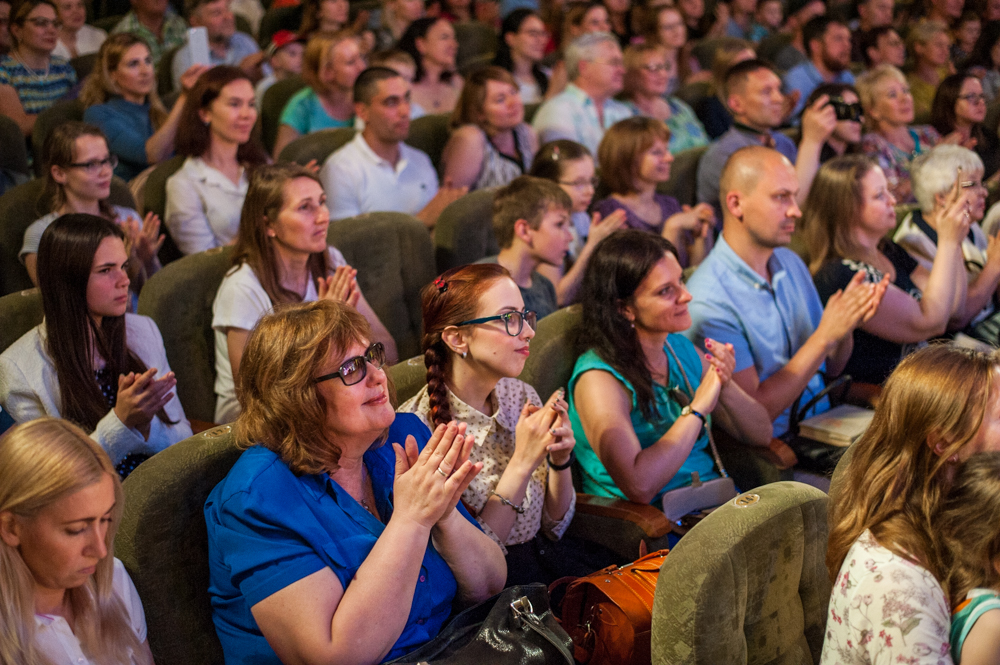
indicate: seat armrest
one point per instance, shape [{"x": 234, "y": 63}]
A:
[
  {"x": 863, "y": 394},
  {"x": 779, "y": 454},
  {"x": 651, "y": 520}
]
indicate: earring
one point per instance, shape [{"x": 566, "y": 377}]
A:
[{"x": 465, "y": 353}]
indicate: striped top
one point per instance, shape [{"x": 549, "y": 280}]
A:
[{"x": 36, "y": 89}]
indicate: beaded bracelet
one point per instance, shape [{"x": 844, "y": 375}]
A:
[
  {"x": 519, "y": 509},
  {"x": 561, "y": 467}
]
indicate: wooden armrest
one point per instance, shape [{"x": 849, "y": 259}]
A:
[
  {"x": 779, "y": 454},
  {"x": 651, "y": 520},
  {"x": 863, "y": 394},
  {"x": 199, "y": 426}
]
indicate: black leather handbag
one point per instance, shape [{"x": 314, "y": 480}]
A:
[
  {"x": 815, "y": 456},
  {"x": 515, "y": 627}
]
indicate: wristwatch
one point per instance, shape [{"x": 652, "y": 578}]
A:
[{"x": 688, "y": 411}]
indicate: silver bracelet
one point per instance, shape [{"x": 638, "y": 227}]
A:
[{"x": 519, "y": 509}]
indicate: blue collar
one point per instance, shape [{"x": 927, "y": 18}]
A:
[{"x": 742, "y": 269}]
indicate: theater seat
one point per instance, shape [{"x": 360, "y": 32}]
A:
[
  {"x": 408, "y": 376},
  {"x": 683, "y": 183},
  {"x": 271, "y": 106},
  {"x": 154, "y": 199},
  {"x": 163, "y": 542},
  {"x": 179, "y": 299},
  {"x": 49, "y": 119},
  {"x": 430, "y": 133},
  {"x": 20, "y": 312},
  {"x": 464, "y": 231},
  {"x": 317, "y": 145},
  {"x": 477, "y": 45},
  {"x": 748, "y": 584},
  {"x": 14, "y": 156}
]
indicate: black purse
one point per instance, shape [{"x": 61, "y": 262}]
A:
[
  {"x": 815, "y": 456},
  {"x": 514, "y": 627}
]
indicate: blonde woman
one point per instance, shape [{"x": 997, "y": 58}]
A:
[{"x": 66, "y": 598}]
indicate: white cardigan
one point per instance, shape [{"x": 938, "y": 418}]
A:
[{"x": 29, "y": 389}]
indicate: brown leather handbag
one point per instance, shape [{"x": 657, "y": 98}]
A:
[{"x": 608, "y": 613}]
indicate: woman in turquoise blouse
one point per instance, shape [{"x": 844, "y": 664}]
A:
[{"x": 641, "y": 394}]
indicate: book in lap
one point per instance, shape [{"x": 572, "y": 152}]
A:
[{"x": 840, "y": 426}]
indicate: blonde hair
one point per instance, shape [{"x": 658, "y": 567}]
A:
[
  {"x": 634, "y": 53},
  {"x": 43, "y": 461},
  {"x": 318, "y": 52},
  {"x": 100, "y": 87},
  {"x": 869, "y": 85},
  {"x": 895, "y": 483},
  {"x": 621, "y": 150},
  {"x": 281, "y": 407}
]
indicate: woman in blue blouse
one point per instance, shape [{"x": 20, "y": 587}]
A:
[
  {"x": 325, "y": 544},
  {"x": 641, "y": 394}
]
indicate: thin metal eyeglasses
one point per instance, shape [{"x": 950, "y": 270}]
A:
[
  {"x": 94, "y": 167},
  {"x": 513, "y": 321},
  {"x": 581, "y": 183},
  {"x": 45, "y": 23},
  {"x": 973, "y": 97},
  {"x": 354, "y": 370}
]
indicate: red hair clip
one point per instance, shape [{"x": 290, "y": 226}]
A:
[{"x": 441, "y": 284}]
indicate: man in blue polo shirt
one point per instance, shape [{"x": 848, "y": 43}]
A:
[
  {"x": 754, "y": 293},
  {"x": 828, "y": 43}
]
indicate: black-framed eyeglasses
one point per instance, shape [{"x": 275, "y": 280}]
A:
[
  {"x": 94, "y": 167},
  {"x": 354, "y": 370},
  {"x": 514, "y": 321}
]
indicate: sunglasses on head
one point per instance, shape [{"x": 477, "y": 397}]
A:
[{"x": 354, "y": 370}]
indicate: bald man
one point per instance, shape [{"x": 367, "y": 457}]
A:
[{"x": 756, "y": 294}]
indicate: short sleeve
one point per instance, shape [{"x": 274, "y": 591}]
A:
[
  {"x": 837, "y": 274},
  {"x": 342, "y": 188},
  {"x": 336, "y": 258},
  {"x": 296, "y": 112},
  {"x": 240, "y": 301},
  {"x": 899, "y": 257},
  {"x": 126, "y": 591}
]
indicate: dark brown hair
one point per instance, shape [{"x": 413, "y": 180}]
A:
[
  {"x": 943, "y": 108},
  {"x": 451, "y": 298},
  {"x": 552, "y": 157}
]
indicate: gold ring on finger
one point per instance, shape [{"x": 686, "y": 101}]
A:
[{"x": 442, "y": 472}]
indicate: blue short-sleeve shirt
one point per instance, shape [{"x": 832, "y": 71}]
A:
[
  {"x": 766, "y": 322},
  {"x": 305, "y": 114},
  {"x": 268, "y": 528}
]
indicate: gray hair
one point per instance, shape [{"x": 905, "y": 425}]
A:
[
  {"x": 584, "y": 48},
  {"x": 934, "y": 171}
]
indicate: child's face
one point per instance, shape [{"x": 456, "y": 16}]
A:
[
  {"x": 968, "y": 33},
  {"x": 551, "y": 239},
  {"x": 288, "y": 59},
  {"x": 577, "y": 180},
  {"x": 404, "y": 69},
  {"x": 769, "y": 13}
]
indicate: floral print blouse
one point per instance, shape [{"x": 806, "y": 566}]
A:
[
  {"x": 885, "y": 609},
  {"x": 895, "y": 162}
]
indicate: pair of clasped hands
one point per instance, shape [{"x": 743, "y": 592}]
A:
[{"x": 429, "y": 483}]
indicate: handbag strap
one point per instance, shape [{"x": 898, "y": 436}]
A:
[
  {"x": 708, "y": 430},
  {"x": 524, "y": 614}
]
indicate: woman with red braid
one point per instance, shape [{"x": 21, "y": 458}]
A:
[{"x": 476, "y": 335}]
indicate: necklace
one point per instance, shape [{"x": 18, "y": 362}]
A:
[
  {"x": 364, "y": 486},
  {"x": 31, "y": 72}
]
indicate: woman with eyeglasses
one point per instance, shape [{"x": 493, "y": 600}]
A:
[
  {"x": 635, "y": 158},
  {"x": 337, "y": 536},
  {"x": 642, "y": 397},
  {"x": 31, "y": 78},
  {"x": 280, "y": 256},
  {"x": 476, "y": 337},
  {"x": 959, "y": 109},
  {"x": 520, "y": 50},
  {"x": 78, "y": 180},
  {"x": 664, "y": 27}
]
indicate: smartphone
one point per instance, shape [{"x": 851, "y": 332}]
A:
[{"x": 197, "y": 39}]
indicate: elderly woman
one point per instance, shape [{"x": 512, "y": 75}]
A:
[
  {"x": 325, "y": 543},
  {"x": 933, "y": 177},
  {"x": 491, "y": 143},
  {"x": 891, "y": 140}
]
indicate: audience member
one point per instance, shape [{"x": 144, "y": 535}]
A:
[
  {"x": 641, "y": 395},
  {"x": 520, "y": 49},
  {"x": 120, "y": 98},
  {"x": 872, "y": 15},
  {"x": 620, "y": 18},
  {"x": 711, "y": 109},
  {"x": 432, "y": 44},
  {"x": 702, "y": 26},
  {"x": 78, "y": 180},
  {"x": 392, "y": 21},
  {"x": 646, "y": 76},
  {"x": 882, "y": 46},
  {"x": 798, "y": 14},
  {"x": 965, "y": 35},
  {"x": 885, "y": 553},
  {"x": 754, "y": 293},
  {"x": 31, "y": 78},
  {"x": 933, "y": 179},
  {"x": 753, "y": 94},
  {"x": 475, "y": 343},
  {"x": 635, "y": 160},
  {"x": 985, "y": 60},
  {"x": 930, "y": 46},
  {"x": 376, "y": 170},
  {"x": 205, "y": 196},
  {"x": 828, "y": 45},
  {"x": 324, "y": 16},
  {"x": 403, "y": 64},
  {"x": 580, "y": 18},
  {"x": 767, "y": 20},
  {"x": 571, "y": 166},
  {"x": 846, "y": 135},
  {"x": 284, "y": 56},
  {"x": 891, "y": 140},
  {"x": 89, "y": 361},
  {"x": 490, "y": 143},
  {"x": 945, "y": 12},
  {"x": 740, "y": 19},
  {"x": 280, "y": 256},
  {"x": 586, "y": 108},
  {"x": 158, "y": 25},
  {"x": 372, "y": 545},
  {"x": 959, "y": 110},
  {"x": 665, "y": 28},
  {"x": 5, "y": 39},
  {"x": 76, "y": 37},
  {"x": 226, "y": 45},
  {"x": 66, "y": 597},
  {"x": 531, "y": 223},
  {"x": 330, "y": 66},
  {"x": 845, "y": 221},
  {"x": 458, "y": 11}
]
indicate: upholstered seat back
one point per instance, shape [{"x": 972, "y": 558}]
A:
[
  {"x": 163, "y": 542},
  {"x": 316, "y": 146},
  {"x": 748, "y": 584},
  {"x": 19, "y": 312},
  {"x": 683, "y": 183},
  {"x": 464, "y": 232},
  {"x": 551, "y": 362}
]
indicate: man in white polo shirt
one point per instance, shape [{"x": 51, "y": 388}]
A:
[{"x": 376, "y": 170}]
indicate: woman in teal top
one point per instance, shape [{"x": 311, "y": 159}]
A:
[{"x": 640, "y": 395}]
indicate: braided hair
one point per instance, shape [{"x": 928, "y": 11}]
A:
[{"x": 451, "y": 298}]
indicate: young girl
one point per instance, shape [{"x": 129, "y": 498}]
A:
[
  {"x": 572, "y": 166},
  {"x": 970, "y": 535},
  {"x": 89, "y": 361}
]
